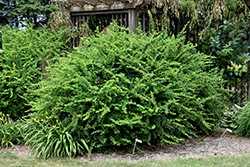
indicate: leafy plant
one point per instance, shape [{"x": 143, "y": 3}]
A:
[
  {"x": 229, "y": 44},
  {"x": 26, "y": 55},
  {"x": 10, "y": 131},
  {"x": 52, "y": 141},
  {"x": 243, "y": 120},
  {"x": 118, "y": 87},
  {"x": 229, "y": 118}
]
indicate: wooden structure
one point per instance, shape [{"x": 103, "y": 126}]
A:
[
  {"x": 126, "y": 13},
  {"x": 247, "y": 3},
  {"x": 1, "y": 41}
]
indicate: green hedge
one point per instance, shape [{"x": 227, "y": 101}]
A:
[
  {"x": 118, "y": 87},
  {"x": 26, "y": 53}
]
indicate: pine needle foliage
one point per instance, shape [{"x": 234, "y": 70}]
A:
[
  {"x": 23, "y": 63},
  {"x": 118, "y": 87}
]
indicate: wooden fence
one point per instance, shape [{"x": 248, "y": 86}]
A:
[
  {"x": 240, "y": 87},
  {"x": 123, "y": 18},
  {"x": 1, "y": 46}
]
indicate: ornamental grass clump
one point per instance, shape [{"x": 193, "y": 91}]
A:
[
  {"x": 243, "y": 120},
  {"x": 118, "y": 87},
  {"x": 10, "y": 132},
  {"x": 51, "y": 141}
]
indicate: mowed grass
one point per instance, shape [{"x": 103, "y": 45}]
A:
[{"x": 9, "y": 159}]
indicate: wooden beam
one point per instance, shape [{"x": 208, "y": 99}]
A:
[
  {"x": 101, "y": 7},
  {"x": 126, "y": 20},
  {"x": 92, "y": 2},
  {"x": 88, "y": 13},
  {"x": 144, "y": 22},
  {"x": 133, "y": 20}
]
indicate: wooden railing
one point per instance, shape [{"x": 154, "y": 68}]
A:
[{"x": 123, "y": 18}]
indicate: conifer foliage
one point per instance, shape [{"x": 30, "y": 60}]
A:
[
  {"x": 124, "y": 85},
  {"x": 32, "y": 11},
  {"x": 5, "y": 9}
]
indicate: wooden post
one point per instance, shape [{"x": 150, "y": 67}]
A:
[
  {"x": 133, "y": 20},
  {"x": 248, "y": 80},
  {"x": 248, "y": 71},
  {"x": 144, "y": 22},
  {"x": 1, "y": 46},
  {"x": 126, "y": 20}
]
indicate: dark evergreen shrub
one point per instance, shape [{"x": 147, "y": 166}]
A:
[
  {"x": 26, "y": 54},
  {"x": 118, "y": 87}
]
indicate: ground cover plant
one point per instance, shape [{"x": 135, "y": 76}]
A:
[
  {"x": 23, "y": 63},
  {"x": 119, "y": 87}
]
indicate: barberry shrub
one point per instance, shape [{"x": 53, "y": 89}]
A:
[
  {"x": 121, "y": 86},
  {"x": 26, "y": 53}
]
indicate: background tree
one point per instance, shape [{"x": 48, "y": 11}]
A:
[
  {"x": 32, "y": 11},
  {"x": 5, "y": 8},
  {"x": 35, "y": 11},
  {"x": 202, "y": 15}
]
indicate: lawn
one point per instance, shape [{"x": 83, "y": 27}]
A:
[{"x": 9, "y": 159}]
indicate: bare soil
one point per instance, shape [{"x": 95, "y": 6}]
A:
[{"x": 212, "y": 145}]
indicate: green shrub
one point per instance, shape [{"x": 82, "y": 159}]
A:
[
  {"x": 10, "y": 131},
  {"x": 26, "y": 54},
  {"x": 118, "y": 87},
  {"x": 243, "y": 120}
]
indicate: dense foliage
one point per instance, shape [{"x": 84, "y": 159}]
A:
[
  {"x": 32, "y": 11},
  {"x": 243, "y": 120},
  {"x": 228, "y": 43},
  {"x": 119, "y": 87},
  {"x": 26, "y": 54},
  {"x": 218, "y": 28},
  {"x": 5, "y": 9},
  {"x": 202, "y": 15},
  {"x": 14, "y": 13}
]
